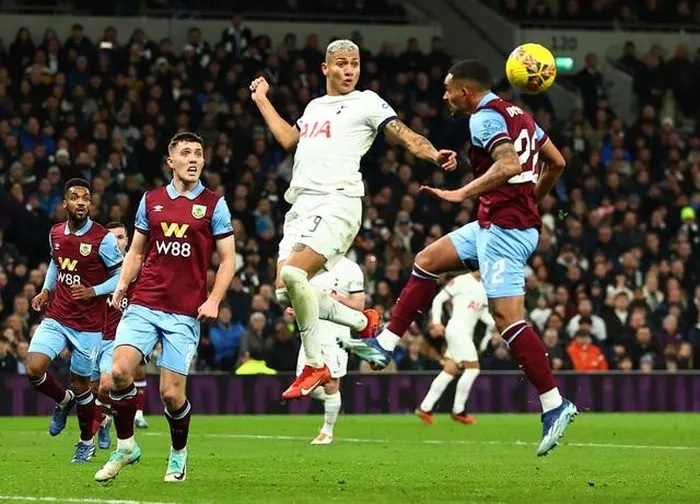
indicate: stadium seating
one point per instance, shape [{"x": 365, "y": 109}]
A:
[{"x": 618, "y": 255}]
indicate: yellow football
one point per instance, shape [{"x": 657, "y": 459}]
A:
[{"x": 531, "y": 68}]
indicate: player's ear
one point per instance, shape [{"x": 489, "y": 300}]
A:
[
  {"x": 169, "y": 160},
  {"x": 324, "y": 68}
]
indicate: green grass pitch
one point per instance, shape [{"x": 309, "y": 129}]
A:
[{"x": 377, "y": 459}]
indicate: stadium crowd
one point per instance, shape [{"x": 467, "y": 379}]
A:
[
  {"x": 611, "y": 286},
  {"x": 602, "y": 12}
]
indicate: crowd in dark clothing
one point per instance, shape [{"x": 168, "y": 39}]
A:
[
  {"x": 602, "y": 12},
  {"x": 612, "y": 284}
]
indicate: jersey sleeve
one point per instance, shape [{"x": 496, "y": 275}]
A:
[
  {"x": 142, "y": 223},
  {"x": 487, "y": 128},
  {"x": 50, "y": 279},
  {"x": 540, "y": 135},
  {"x": 221, "y": 225},
  {"x": 355, "y": 281},
  {"x": 110, "y": 253},
  {"x": 379, "y": 112}
]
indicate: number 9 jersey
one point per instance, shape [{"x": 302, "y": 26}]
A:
[{"x": 511, "y": 205}]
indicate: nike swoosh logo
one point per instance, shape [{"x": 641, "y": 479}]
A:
[
  {"x": 180, "y": 476},
  {"x": 306, "y": 392}
]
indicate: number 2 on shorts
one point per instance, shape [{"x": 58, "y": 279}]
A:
[{"x": 495, "y": 275}]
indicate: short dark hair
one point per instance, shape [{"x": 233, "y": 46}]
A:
[
  {"x": 115, "y": 224},
  {"x": 76, "y": 182},
  {"x": 473, "y": 70},
  {"x": 185, "y": 136}
]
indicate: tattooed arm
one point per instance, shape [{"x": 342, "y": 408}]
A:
[
  {"x": 419, "y": 146},
  {"x": 505, "y": 165}
]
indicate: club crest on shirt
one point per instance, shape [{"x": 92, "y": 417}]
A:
[
  {"x": 199, "y": 211},
  {"x": 85, "y": 249}
]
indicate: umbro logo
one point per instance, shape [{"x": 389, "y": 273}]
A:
[{"x": 158, "y": 208}]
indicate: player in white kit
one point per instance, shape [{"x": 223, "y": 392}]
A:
[
  {"x": 344, "y": 282},
  {"x": 469, "y": 305},
  {"x": 326, "y": 192}
]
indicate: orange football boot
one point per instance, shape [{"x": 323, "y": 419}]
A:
[
  {"x": 463, "y": 418},
  {"x": 307, "y": 381},
  {"x": 372, "y": 324},
  {"x": 425, "y": 416}
]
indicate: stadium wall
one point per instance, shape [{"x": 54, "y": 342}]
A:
[
  {"x": 374, "y": 35},
  {"x": 400, "y": 393}
]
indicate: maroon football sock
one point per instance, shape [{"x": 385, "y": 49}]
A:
[
  {"x": 49, "y": 386},
  {"x": 124, "y": 410},
  {"x": 85, "y": 410},
  {"x": 179, "y": 425},
  {"x": 415, "y": 298},
  {"x": 531, "y": 354}
]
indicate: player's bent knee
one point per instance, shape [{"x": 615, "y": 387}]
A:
[
  {"x": 173, "y": 397},
  {"x": 450, "y": 367},
  {"x": 291, "y": 275},
  {"x": 37, "y": 364},
  {"x": 122, "y": 373},
  {"x": 105, "y": 386}
]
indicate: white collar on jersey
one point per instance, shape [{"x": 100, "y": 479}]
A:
[
  {"x": 191, "y": 194},
  {"x": 80, "y": 232}
]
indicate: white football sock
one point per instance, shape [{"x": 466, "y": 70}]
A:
[
  {"x": 437, "y": 388},
  {"x": 319, "y": 394},
  {"x": 127, "y": 444},
  {"x": 331, "y": 408},
  {"x": 305, "y": 304},
  {"x": 335, "y": 311},
  {"x": 139, "y": 415},
  {"x": 464, "y": 386},
  {"x": 388, "y": 340},
  {"x": 550, "y": 400},
  {"x": 66, "y": 398}
]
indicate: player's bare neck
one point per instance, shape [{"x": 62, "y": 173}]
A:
[
  {"x": 183, "y": 187},
  {"x": 335, "y": 92}
]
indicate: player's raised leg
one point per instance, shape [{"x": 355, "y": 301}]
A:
[
  {"x": 503, "y": 253},
  {"x": 47, "y": 343},
  {"x": 318, "y": 229},
  {"x": 415, "y": 298},
  {"x": 140, "y": 384}
]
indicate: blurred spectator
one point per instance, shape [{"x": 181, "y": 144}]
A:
[
  {"x": 225, "y": 337},
  {"x": 584, "y": 355}
]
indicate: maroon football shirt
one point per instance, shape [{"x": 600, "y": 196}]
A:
[
  {"x": 173, "y": 278},
  {"x": 79, "y": 261},
  {"x": 512, "y": 205}
]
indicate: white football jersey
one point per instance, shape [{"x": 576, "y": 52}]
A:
[
  {"x": 469, "y": 305},
  {"x": 334, "y": 133},
  {"x": 344, "y": 278}
]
